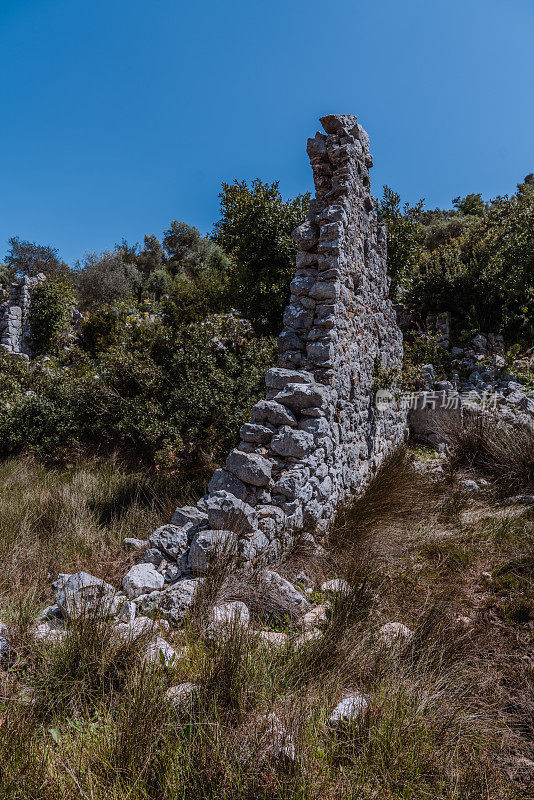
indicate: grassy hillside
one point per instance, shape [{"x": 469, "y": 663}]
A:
[{"x": 449, "y": 711}]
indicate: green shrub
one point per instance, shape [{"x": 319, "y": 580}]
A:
[
  {"x": 50, "y": 312},
  {"x": 157, "y": 394}
]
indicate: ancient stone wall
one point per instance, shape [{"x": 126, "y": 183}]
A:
[
  {"x": 15, "y": 335},
  {"x": 317, "y": 437}
]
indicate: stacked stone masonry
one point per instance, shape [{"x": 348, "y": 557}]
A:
[
  {"x": 15, "y": 335},
  {"x": 317, "y": 437}
]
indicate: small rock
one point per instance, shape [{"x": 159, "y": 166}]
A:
[
  {"x": 269, "y": 411},
  {"x": 127, "y": 612},
  {"x": 394, "y": 632},
  {"x": 226, "y": 512},
  {"x": 351, "y": 709},
  {"x": 520, "y": 499},
  {"x": 182, "y": 698},
  {"x": 277, "y": 378},
  {"x": 188, "y": 514},
  {"x": 336, "y": 586},
  {"x": 5, "y": 645},
  {"x": 83, "y": 593},
  {"x": 224, "y": 617},
  {"x": 317, "y": 616},
  {"x": 284, "y": 593},
  {"x": 298, "y": 396},
  {"x": 140, "y": 579},
  {"x": 173, "y": 602},
  {"x": 250, "y": 468},
  {"x": 464, "y": 622},
  {"x": 207, "y": 545},
  {"x": 277, "y": 638},
  {"x": 469, "y": 485},
  {"x": 131, "y": 543},
  {"x": 171, "y": 540},
  {"x": 160, "y": 652},
  {"x": 44, "y": 633}
]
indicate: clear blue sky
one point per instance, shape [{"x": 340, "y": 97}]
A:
[{"x": 120, "y": 115}]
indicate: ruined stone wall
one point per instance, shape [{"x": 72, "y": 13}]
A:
[
  {"x": 317, "y": 437},
  {"x": 15, "y": 335}
]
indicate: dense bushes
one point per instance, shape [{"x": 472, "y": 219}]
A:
[
  {"x": 475, "y": 261},
  {"x": 255, "y": 230},
  {"x": 50, "y": 313},
  {"x": 154, "y": 393}
]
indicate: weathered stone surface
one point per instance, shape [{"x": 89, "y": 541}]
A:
[
  {"x": 82, "y": 593},
  {"x": 182, "y": 698},
  {"x": 277, "y": 378},
  {"x": 134, "y": 544},
  {"x": 340, "y": 124},
  {"x": 274, "y": 413},
  {"x": 297, "y": 396},
  {"x": 292, "y": 443},
  {"x": 306, "y": 235},
  {"x": 227, "y": 482},
  {"x": 173, "y": 602},
  {"x": 224, "y": 618},
  {"x": 188, "y": 514},
  {"x": 127, "y": 612},
  {"x": 294, "y": 601},
  {"x": 258, "y": 434},
  {"x": 206, "y": 545},
  {"x": 171, "y": 540},
  {"x": 141, "y": 579},
  {"x": 249, "y": 468},
  {"x": 226, "y": 512},
  {"x": 394, "y": 632},
  {"x": 160, "y": 652},
  {"x": 350, "y": 710}
]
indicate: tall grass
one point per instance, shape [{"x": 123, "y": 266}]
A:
[
  {"x": 64, "y": 521},
  {"x": 89, "y": 718},
  {"x": 502, "y": 452}
]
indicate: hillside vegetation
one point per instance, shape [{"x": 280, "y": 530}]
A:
[{"x": 420, "y": 597}]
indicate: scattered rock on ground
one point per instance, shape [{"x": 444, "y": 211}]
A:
[
  {"x": 351, "y": 709},
  {"x": 83, "y": 593},
  {"x": 182, "y": 698},
  {"x": 5, "y": 645},
  {"x": 315, "y": 617},
  {"x": 160, "y": 652},
  {"x": 224, "y": 617},
  {"x": 141, "y": 579},
  {"x": 394, "y": 632},
  {"x": 284, "y": 593},
  {"x": 130, "y": 543},
  {"x": 173, "y": 602},
  {"x": 336, "y": 586}
]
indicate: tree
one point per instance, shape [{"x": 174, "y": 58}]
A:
[
  {"x": 255, "y": 231},
  {"x": 470, "y": 205},
  {"x": 50, "y": 312},
  {"x": 30, "y": 258},
  {"x": 150, "y": 259},
  {"x": 107, "y": 277},
  {"x": 188, "y": 253},
  {"x": 158, "y": 283},
  {"x": 485, "y": 277},
  {"x": 405, "y": 238},
  {"x": 6, "y": 275}
]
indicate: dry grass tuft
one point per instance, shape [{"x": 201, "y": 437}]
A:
[{"x": 500, "y": 451}]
